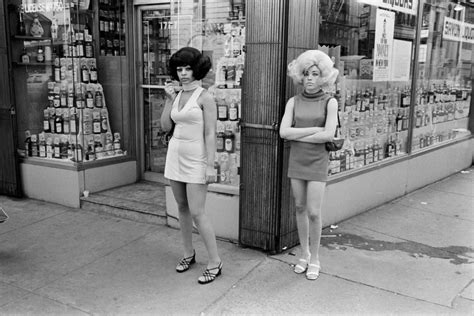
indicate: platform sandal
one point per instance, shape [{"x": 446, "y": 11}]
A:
[
  {"x": 210, "y": 275},
  {"x": 185, "y": 263},
  {"x": 313, "y": 271},
  {"x": 301, "y": 266}
]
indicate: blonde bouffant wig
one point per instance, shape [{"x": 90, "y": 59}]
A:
[{"x": 308, "y": 59}]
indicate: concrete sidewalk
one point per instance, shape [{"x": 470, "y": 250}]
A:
[{"x": 414, "y": 255}]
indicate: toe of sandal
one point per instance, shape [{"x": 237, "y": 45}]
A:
[{"x": 313, "y": 271}]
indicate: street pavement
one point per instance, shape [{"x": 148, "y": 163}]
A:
[{"x": 412, "y": 256}]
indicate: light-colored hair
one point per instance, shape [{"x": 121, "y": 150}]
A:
[{"x": 309, "y": 58}]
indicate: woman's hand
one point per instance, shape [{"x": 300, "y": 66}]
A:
[
  {"x": 211, "y": 175},
  {"x": 169, "y": 90}
]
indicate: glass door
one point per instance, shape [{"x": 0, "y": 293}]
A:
[{"x": 153, "y": 52}]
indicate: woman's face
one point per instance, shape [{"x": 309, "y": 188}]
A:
[
  {"x": 185, "y": 74},
  {"x": 312, "y": 79}
]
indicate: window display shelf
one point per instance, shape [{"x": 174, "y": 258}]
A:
[
  {"x": 31, "y": 38},
  {"x": 46, "y": 63}
]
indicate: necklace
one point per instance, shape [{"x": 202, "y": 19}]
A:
[{"x": 191, "y": 86}]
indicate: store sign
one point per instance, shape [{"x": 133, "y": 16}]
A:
[
  {"x": 455, "y": 30},
  {"x": 405, "y": 6},
  {"x": 43, "y": 6},
  {"x": 384, "y": 29}
]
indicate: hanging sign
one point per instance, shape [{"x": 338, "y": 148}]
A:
[
  {"x": 405, "y": 6},
  {"x": 384, "y": 28},
  {"x": 455, "y": 30}
]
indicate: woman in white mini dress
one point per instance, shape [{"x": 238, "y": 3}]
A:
[{"x": 190, "y": 158}]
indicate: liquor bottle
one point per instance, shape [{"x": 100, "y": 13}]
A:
[
  {"x": 217, "y": 170},
  {"x": 405, "y": 120},
  {"x": 40, "y": 54},
  {"x": 117, "y": 147},
  {"x": 71, "y": 99},
  {"x": 52, "y": 120},
  {"x": 104, "y": 125},
  {"x": 63, "y": 145},
  {"x": 58, "y": 124},
  {"x": 57, "y": 70},
  {"x": 80, "y": 103},
  {"x": 63, "y": 97},
  {"x": 98, "y": 99},
  {"x": 65, "y": 117},
  {"x": 49, "y": 148},
  {"x": 239, "y": 71},
  {"x": 73, "y": 121},
  {"x": 79, "y": 153},
  {"x": 230, "y": 79},
  {"x": 222, "y": 110},
  {"x": 93, "y": 74},
  {"x": 56, "y": 148},
  {"x": 229, "y": 141},
  {"x": 220, "y": 142},
  {"x": 25, "y": 58},
  {"x": 89, "y": 99},
  {"x": 42, "y": 146},
  {"x": 89, "y": 49},
  {"x": 34, "y": 145},
  {"x": 399, "y": 121},
  {"x": 46, "y": 127},
  {"x": 21, "y": 28},
  {"x": 233, "y": 110},
  {"x": 96, "y": 124},
  {"x": 80, "y": 49},
  {"x": 85, "y": 78},
  {"x": 90, "y": 153},
  {"x": 71, "y": 149},
  {"x": 389, "y": 148}
]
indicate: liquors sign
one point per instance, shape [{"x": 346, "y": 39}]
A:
[
  {"x": 405, "y": 6},
  {"x": 43, "y": 6}
]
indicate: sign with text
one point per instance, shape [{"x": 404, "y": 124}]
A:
[
  {"x": 405, "y": 6},
  {"x": 384, "y": 28},
  {"x": 455, "y": 30}
]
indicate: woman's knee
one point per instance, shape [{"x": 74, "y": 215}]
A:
[
  {"x": 300, "y": 208},
  {"x": 314, "y": 215}
]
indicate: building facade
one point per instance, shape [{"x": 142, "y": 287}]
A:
[{"x": 87, "y": 93}]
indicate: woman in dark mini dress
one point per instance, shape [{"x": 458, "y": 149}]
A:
[{"x": 310, "y": 120}]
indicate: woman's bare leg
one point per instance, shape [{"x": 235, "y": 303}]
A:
[
  {"x": 185, "y": 218},
  {"x": 196, "y": 200}
]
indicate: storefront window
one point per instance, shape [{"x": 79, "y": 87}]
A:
[
  {"x": 217, "y": 28},
  {"x": 61, "y": 93},
  {"x": 372, "y": 44},
  {"x": 445, "y": 73}
]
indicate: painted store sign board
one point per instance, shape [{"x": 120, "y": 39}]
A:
[
  {"x": 405, "y": 6},
  {"x": 455, "y": 30}
]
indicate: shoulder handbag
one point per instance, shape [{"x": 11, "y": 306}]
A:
[
  {"x": 167, "y": 136},
  {"x": 337, "y": 142}
]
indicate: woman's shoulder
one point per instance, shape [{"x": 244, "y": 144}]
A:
[{"x": 205, "y": 98}]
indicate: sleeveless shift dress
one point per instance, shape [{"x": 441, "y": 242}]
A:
[
  {"x": 309, "y": 161},
  {"x": 186, "y": 159}
]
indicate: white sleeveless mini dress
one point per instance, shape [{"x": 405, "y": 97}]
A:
[{"x": 186, "y": 159}]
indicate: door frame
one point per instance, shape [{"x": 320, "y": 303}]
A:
[
  {"x": 138, "y": 86},
  {"x": 11, "y": 186}
]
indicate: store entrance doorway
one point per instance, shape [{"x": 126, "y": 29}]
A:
[
  {"x": 154, "y": 29},
  {"x": 9, "y": 172}
]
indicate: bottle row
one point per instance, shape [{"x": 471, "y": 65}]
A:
[
  {"x": 45, "y": 145},
  {"x": 74, "y": 71},
  {"x": 74, "y": 121},
  {"x": 63, "y": 95},
  {"x": 371, "y": 98}
]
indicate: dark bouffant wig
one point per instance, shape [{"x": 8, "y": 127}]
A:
[{"x": 189, "y": 56}]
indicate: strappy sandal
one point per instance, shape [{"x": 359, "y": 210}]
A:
[
  {"x": 313, "y": 271},
  {"x": 301, "y": 266},
  {"x": 208, "y": 276},
  {"x": 185, "y": 263}
]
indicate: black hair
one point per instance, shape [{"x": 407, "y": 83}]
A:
[{"x": 189, "y": 56}]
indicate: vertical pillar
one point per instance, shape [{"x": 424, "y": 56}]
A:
[{"x": 276, "y": 31}]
